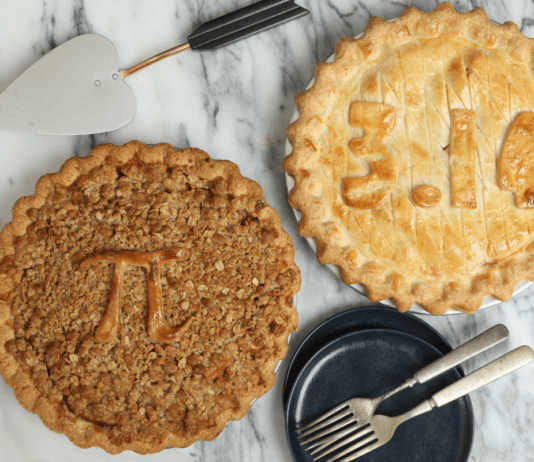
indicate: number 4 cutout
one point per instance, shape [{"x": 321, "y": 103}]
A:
[{"x": 516, "y": 165}]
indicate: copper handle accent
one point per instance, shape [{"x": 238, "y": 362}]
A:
[{"x": 154, "y": 59}]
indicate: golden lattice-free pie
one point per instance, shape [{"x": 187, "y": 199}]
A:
[
  {"x": 413, "y": 159},
  {"x": 146, "y": 295}
]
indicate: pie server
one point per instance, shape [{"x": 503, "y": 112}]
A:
[{"x": 77, "y": 89}]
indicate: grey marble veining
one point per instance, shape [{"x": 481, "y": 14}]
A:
[{"x": 235, "y": 103}]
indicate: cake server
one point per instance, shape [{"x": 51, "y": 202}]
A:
[{"x": 77, "y": 88}]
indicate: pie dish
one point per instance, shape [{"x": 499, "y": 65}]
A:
[
  {"x": 411, "y": 160},
  {"x": 146, "y": 295}
]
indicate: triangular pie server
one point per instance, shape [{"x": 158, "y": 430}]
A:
[{"x": 77, "y": 88}]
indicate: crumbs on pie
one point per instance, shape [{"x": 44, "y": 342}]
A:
[
  {"x": 413, "y": 159},
  {"x": 146, "y": 295}
]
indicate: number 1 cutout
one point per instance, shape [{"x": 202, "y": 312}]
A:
[{"x": 463, "y": 158}]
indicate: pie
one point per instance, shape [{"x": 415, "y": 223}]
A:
[
  {"x": 413, "y": 159},
  {"x": 146, "y": 295}
]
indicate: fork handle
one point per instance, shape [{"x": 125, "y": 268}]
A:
[
  {"x": 464, "y": 352},
  {"x": 492, "y": 371}
]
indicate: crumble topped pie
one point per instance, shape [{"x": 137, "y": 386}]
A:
[
  {"x": 146, "y": 295},
  {"x": 413, "y": 159}
]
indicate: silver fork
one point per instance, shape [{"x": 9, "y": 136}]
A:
[
  {"x": 382, "y": 428},
  {"x": 360, "y": 410}
]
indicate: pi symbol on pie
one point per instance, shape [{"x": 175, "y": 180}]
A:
[
  {"x": 514, "y": 168},
  {"x": 158, "y": 329}
]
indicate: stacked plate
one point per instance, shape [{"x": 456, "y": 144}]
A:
[{"x": 365, "y": 352}]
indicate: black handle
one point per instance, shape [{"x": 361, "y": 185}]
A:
[{"x": 244, "y": 22}]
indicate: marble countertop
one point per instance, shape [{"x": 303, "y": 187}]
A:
[{"x": 235, "y": 104}]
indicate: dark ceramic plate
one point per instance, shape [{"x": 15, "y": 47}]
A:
[
  {"x": 369, "y": 363},
  {"x": 371, "y": 317}
]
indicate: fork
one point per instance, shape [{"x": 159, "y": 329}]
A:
[
  {"x": 360, "y": 410},
  {"x": 382, "y": 428}
]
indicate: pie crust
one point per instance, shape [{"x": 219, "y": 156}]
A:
[
  {"x": 146, "y": 295},
  {"x": 413, "y": 159}
]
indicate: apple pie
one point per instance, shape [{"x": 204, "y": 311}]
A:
[
  {"x": 413, "y": 159},
  {"x": 146, "y": 295}
]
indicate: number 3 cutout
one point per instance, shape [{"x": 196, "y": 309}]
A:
[{"x": 377, "y": 120}]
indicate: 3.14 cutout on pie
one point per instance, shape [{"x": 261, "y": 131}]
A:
[{"x": 413, "y": 159}]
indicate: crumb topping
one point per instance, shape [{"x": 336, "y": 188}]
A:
[{"x": 235, "y": 291}]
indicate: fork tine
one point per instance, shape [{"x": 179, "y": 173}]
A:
[
  {"x": 332, "y": 429},
  {"x": 324, "y": 424},
  {"x": 324, "y": 416},
  {"x": 362, "y": 452},
  {"x": 355, "y": 447},
  {"x": 325, "y": 442},
  {"x": 359, "y": 434}
]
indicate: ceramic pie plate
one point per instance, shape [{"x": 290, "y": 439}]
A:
[
  {"x": 369, "y": 363},
  {"x": 360, "y": 288}
]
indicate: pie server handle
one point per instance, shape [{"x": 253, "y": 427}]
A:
[{"x": 230, "y": 28}]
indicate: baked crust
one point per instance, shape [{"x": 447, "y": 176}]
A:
[
  {"x": 425, "y": 89},
  {"x": 227, "y": 285}
]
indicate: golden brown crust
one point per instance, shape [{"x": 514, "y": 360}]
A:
[
  {"x": 427, "y": 69},
  {"x": 93, "y": 391}
]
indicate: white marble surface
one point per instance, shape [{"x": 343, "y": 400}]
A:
[{"x": 235, "y": 103}]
